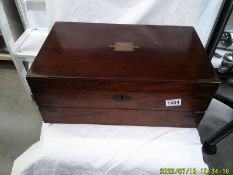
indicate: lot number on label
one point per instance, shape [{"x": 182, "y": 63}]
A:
[{"x": 173, "y": 102}]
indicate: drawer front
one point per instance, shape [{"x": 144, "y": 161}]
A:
[
  {"x": 122, "y": 100},
  {"x": 120, "y": 117},
  {"x": 121, "y": 95}
]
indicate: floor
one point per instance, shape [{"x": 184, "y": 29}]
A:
[
  {"x": 20, "y": 123},
  {"x": 230, "y": 23},
  {"x": 20, "y": 120},
  {"x": 216, "y": 116}
]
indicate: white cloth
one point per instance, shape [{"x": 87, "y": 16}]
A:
[
  {"x": 73, "y": 149},
  {"x": 198, "y": 13}
]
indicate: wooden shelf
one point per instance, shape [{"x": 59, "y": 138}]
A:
[{"x": 5, "y": 57}]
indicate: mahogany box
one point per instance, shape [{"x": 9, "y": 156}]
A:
[{"x": 122, "y": 74}]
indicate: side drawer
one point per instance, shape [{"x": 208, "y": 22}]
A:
[{"x": 121, "y": 117}]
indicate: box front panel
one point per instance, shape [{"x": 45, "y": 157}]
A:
[{"x": 174, "y": 96}]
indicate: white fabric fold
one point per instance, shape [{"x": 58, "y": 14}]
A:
[{"x": 100, "y": 149}]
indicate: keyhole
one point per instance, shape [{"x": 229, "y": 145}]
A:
[{"x": 122, "y": 98}]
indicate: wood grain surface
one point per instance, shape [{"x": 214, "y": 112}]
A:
[
  {"x": 79, "y": 76},
  {"x": 121, "y": 117},
  {"x": 82, "y": 50}
]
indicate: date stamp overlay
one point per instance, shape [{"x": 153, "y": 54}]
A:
[{"x": 211, "y": 171}]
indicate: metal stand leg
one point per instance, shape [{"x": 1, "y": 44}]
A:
[
  {"x": 220, "y": 24},
  {"x": 209, "y": 147}
]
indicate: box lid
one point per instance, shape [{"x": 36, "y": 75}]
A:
[{"x": 122, "y": 52}]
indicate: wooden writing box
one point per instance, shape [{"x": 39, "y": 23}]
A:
[{"x": 122, "y": 74}]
